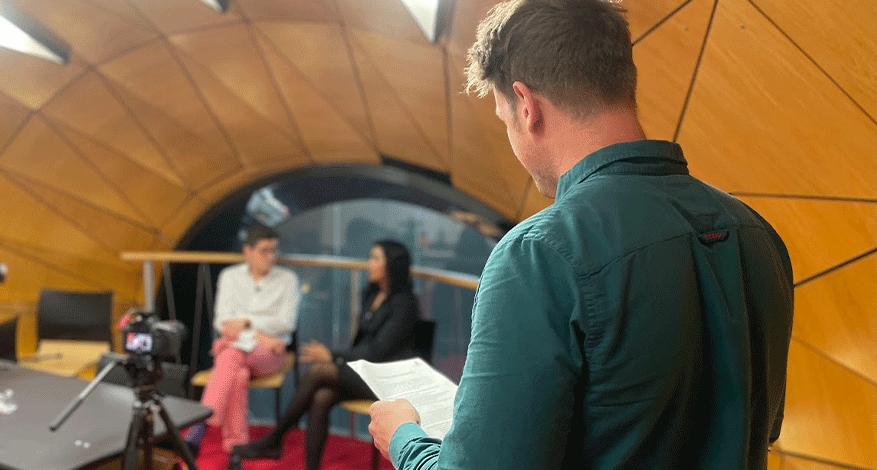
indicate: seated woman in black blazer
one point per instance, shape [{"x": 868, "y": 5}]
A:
[{"x": 386, "y": 333}]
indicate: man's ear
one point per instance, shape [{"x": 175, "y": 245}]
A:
[{"x": 529, "y": 108}]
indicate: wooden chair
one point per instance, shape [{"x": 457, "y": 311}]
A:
[
  {"x": 272, "y": 381},
  {"x": 424, "y": 337},
  {"x": 74, "y": 328}
]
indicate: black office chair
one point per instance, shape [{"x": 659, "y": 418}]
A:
[
  {"x": 8, "y": 336},
  {"x": 73, "y": 315},
  {"x": 424, "y": 338},
  {"x": 174, "y": 380}
]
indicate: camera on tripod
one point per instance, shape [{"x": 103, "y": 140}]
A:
[{"x": 146, "y": 335}]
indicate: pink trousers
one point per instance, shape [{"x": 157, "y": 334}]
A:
[{"x": 226, "y": 389}]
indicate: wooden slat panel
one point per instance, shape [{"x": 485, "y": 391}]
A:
[
  {"x": 774, "y": 462},
  {"x": 798, "y": 463},
  {"x": 27, "y": 219},
  {"x": 641, "y": 16},
  {"x": 479, "y": 136},
  {"x": 819, "y": 234},
  {"x": 416, "y": 74},
  {"x": 154, "y": 196},
  {"x": 175, "y": 93},
  {"x": 465, "y": 21},
  {"x": 256, "y": 139},
  {"x": 307, "y": 46},
  {"x": 233, "y": 58},
  {"x": 33, "y": 81},
  {"x": 195, "y": 160},
  {"x": 762, "y": 118},
  {"x": 837, "y": 314},
  {"x": 828, "y": 411},
  {"x": 27, "y": 277},
  {"x": 331, "y": 131},
  {"x": 388, "y": 17},
  {"x": 171, "y": 17},
  {"x": 89, "y": 107},
  {"x": 41, "y": 154},
  {"x": 299, "y": 10},
  {"x": 533, "y": 202},
  {"x": 122, "y": 8},
  {"x": 92, "y": 32},
  {"x": 182, "y": 218},
  {"x": 839, "y": 35},
  {"x": 12, "y": 116},
  {"x": 107, "y": 229},
  {"x": 398, "y": 135},
  {"x": 665, "y": 63}
]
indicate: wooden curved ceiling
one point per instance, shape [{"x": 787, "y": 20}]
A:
[{"x": 165, "y": 107}]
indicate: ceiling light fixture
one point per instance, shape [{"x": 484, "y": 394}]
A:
[
  {"x": 24, "y": 36},
  {"x": 428, "y": 15},
  {"x": 218, "y": 5}
]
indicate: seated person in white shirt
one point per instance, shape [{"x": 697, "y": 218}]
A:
[{"x": 256, "y": 312}]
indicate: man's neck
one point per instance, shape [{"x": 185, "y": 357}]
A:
[
  {"x": 579, "y": 138},
  {"x": 256, "y": 275}
]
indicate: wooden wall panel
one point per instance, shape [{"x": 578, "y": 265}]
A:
[
  {"x": 819, "y": 234},
  {"x": 322, "y": 125},
  {"x": 396, "y": 130},
  {"x": 665, "y": 61},
  {"x": 232, "y": 56},
  {"x": 256, "y": 139},
  {"x": 150, "y": 193},
  {"x": 307, "y": 46},
  {"x": 176, "y": 94},
  {"x": 94, "y": 33},
  {"x": 41, "y": 154},
  {"x": 89, "y": 107},
  {"x": 534, "y": 202},
  {"x": 14, "y": 117},
  {"x": 32, "y": 81},
  {"x": 839, "y": 35},
  {"x": 299, "y": 10},
  {"x": 477, "y": 131},
  {"x": 170, "y": 17},
  {"x": 415, "y": 73},
  {"x": 762, "y": 118},
  {"x": 829, "y": 411},
  {"x": 195, "y": 161},
  {"x": 388, "y": 17},
  {"x": 643, "y": 16},
  {"x": 837, "y": 314}
]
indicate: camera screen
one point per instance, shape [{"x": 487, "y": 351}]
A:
[{"x": 138, "y": 343}]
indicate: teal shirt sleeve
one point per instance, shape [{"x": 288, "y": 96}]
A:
[{"x": 516, "y": 395}]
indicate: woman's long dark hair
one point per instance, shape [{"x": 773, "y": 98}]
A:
[{"x": 398, "y": 268}]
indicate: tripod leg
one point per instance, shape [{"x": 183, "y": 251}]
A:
[
  {"x": 182, "y": 448},
  {"x": 130, "y": 459},
  {"x": 148, "y": 433}
]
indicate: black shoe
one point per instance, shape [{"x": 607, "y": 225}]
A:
[
  {"x": 234, "y": 462},
  {"x": 194, "y": 448},
  {"x": 264, "y": 448}
]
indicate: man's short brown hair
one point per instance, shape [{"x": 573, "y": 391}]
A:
[
  {"x": 577, "y": 53},
  {"x": 257, "y": 232}
]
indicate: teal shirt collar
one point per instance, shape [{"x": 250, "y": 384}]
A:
[{"x": 642, "y": 157}]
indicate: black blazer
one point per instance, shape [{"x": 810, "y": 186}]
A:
[{"x": 387, "y": 334}]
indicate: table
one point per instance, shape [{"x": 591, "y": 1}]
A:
[
  {"x": 95, "y": 432},
  {"x": 66, "y": 357}
]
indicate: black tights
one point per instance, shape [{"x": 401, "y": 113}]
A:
[{"x": 317, "y": 394}]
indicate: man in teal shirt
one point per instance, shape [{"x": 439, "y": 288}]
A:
[{"x": 642, "y": 321}]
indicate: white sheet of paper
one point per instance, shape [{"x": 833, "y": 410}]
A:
[{"x": 429, "y": 391}]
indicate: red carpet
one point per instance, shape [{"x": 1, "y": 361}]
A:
[{"x": 340, "y": 453}]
